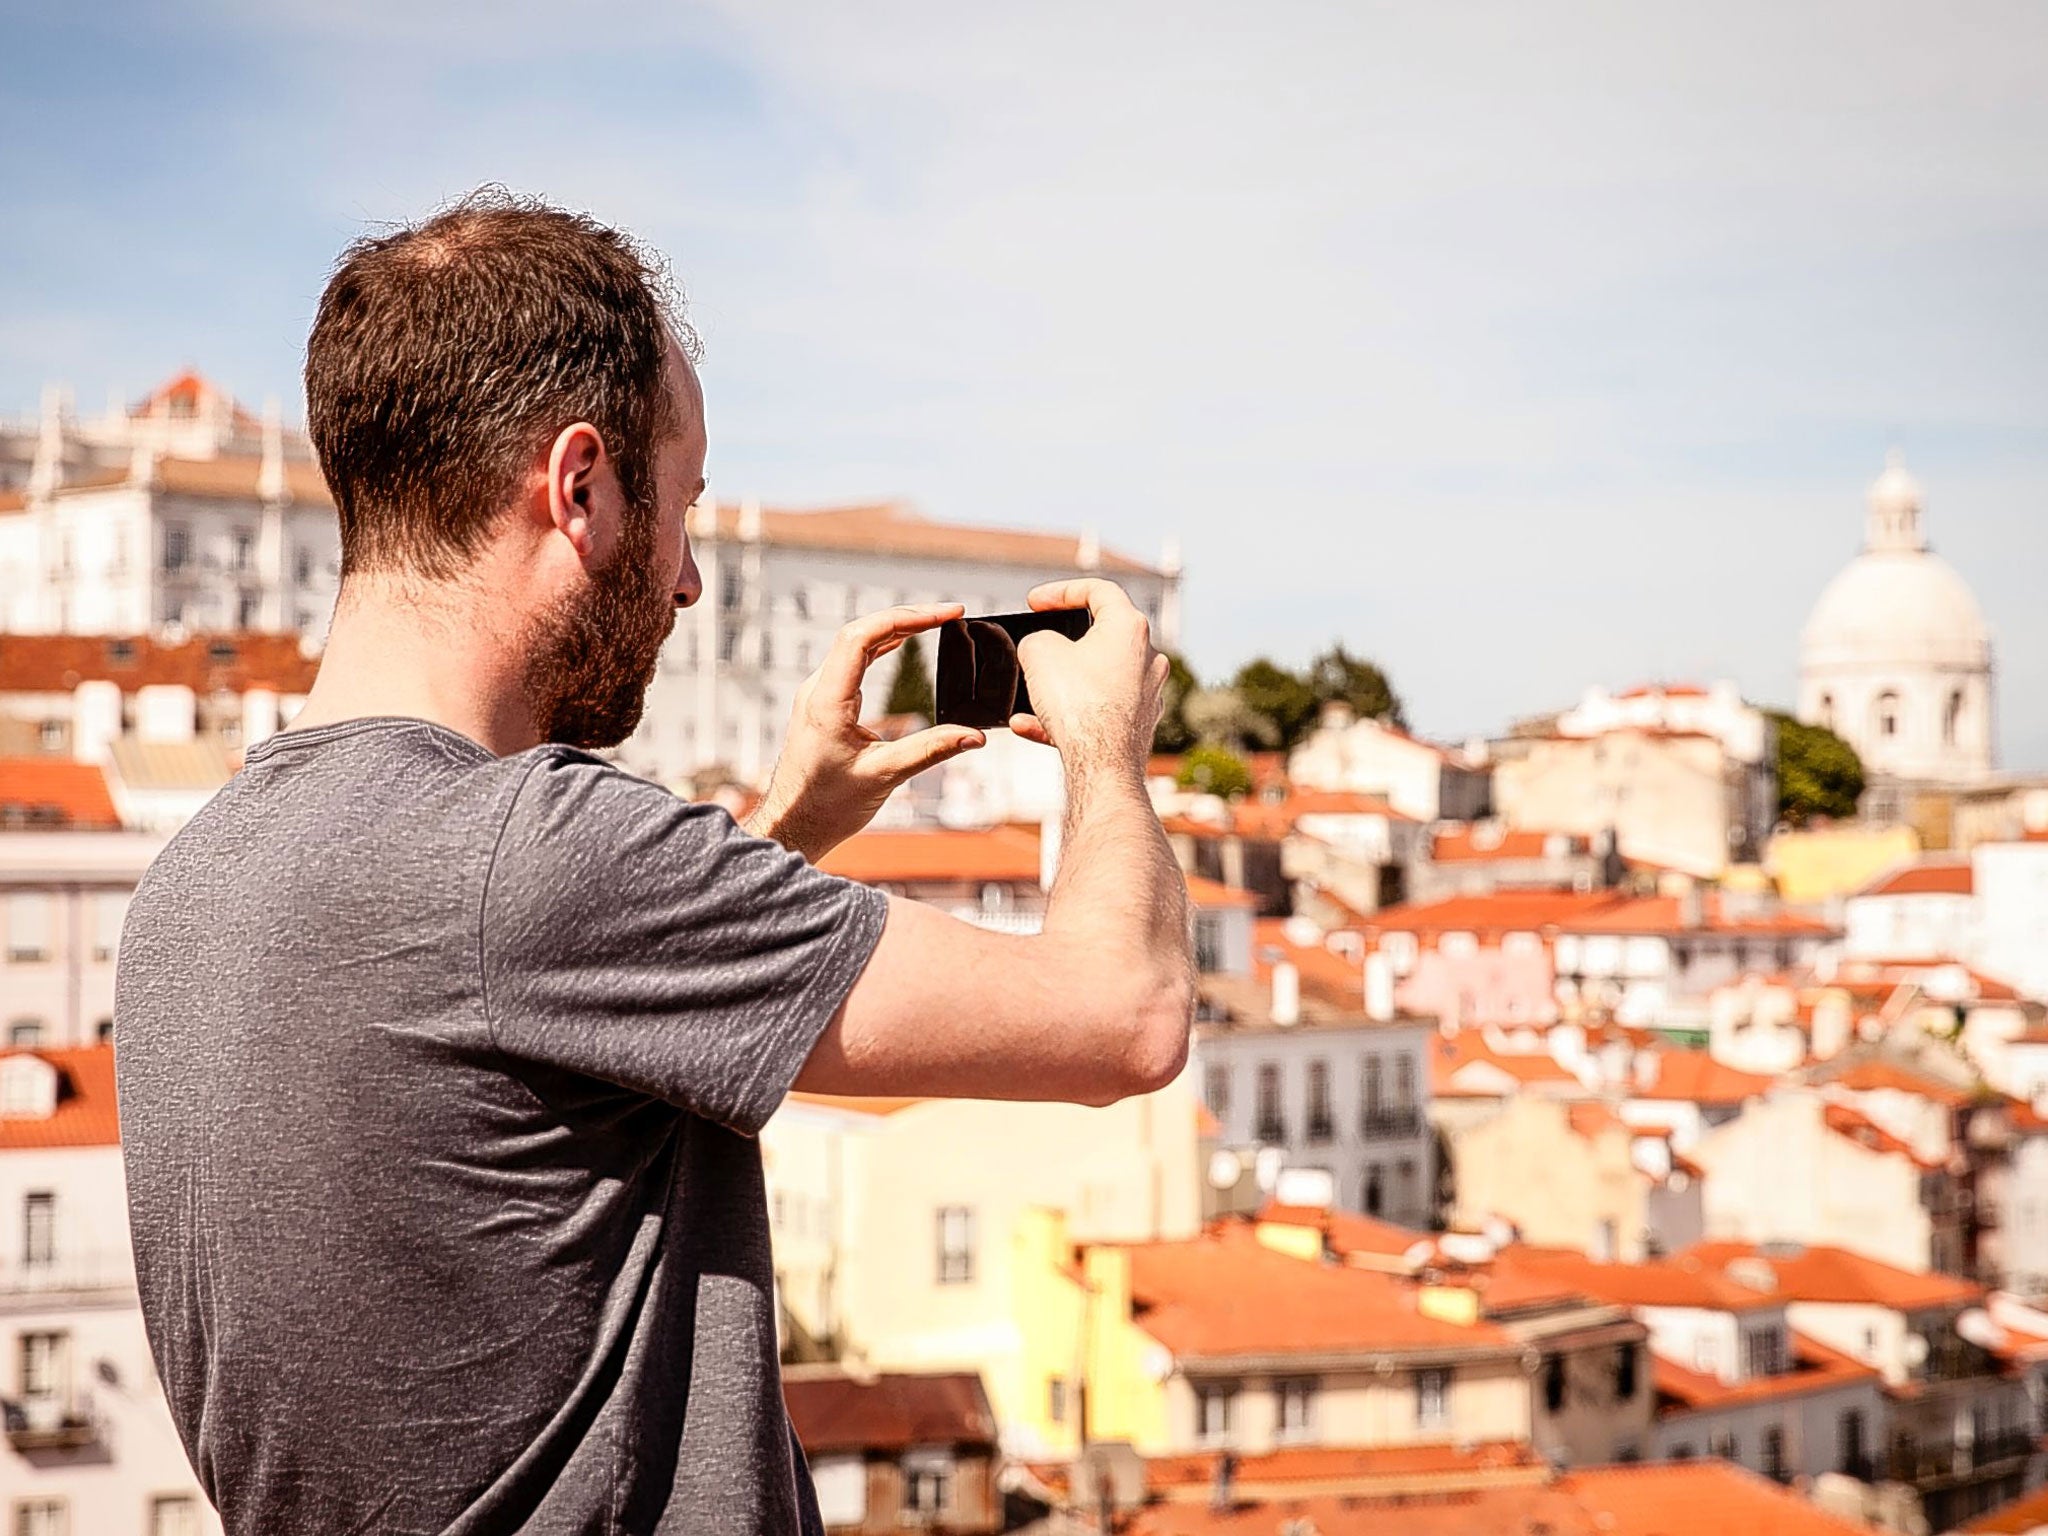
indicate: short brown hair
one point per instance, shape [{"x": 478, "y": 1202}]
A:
[{"x": 445, "y": 356}]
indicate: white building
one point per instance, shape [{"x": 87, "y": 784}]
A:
[
  {"x": 184, "y": 513},
  {"x": 1371, "y": 757},
  {"x": 89, "y": 1445},
  {"x": 2011, "y": 881},
  {"x": 63, "y": 898},
  {"x": 778, "y": 585},
  {"x": 1896, "y": 657}
]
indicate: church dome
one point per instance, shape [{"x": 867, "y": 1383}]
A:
[{"x": 1897, "y": 603}]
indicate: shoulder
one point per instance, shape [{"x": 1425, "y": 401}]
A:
[{"x": 557, "y": 789}]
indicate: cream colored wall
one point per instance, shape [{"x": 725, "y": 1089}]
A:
[
  {"x": 1489, "y": 1401},
  {"x": 1676, "y": 811},
  {"x": 1528, "y": 1165},
  {"x": 1775, "y": 1173}
]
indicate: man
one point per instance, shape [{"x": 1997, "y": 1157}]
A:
[{"x": 443, "y": 1044}]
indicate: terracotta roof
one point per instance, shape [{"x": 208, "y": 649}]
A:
[
  {"x": 912, "y": 855},
  {"x": 1814, "y": 1368},
  {"x": 1821, "y": 1274},
  {"x": 1677, "y": 1282},
  {"x": 1346, "y": 1232},
  {"x": 1496, "y": 912},
  {"x": 1451, "y": 1055},
  {"x": 187, "y": 388},
  {"x": 205, "y": 663},
  {"x": 85, "y": 1115},
  {"x": 1666, "y": 914},
  {"x": 832, "y": 1411},
  {"x": 1310, "y": 1469},
  {"x": 1324, "y": 972},
  {"x": 13, "y": 501},
  {"x": 56, "y": 792},
  {"x": 1213, "y": 893},
  {"x": 891, "y": 528},
  {"x": 236, "y": 479},
  {"x": 1947, "y": 878},
  {"x": 1876, "y": 1075},
  {"x": 1846, "y": 1120},
  {"x": 1226, "y": 1294},
  {"x": 1664, "y": 690},
  {"x": 1695, "y": 1077},
  {"x": 1470, "y": 843},
  {"x": 1694, "y": 1498}
]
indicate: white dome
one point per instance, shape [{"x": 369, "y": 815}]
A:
[{"x": 1894, "y": 607}]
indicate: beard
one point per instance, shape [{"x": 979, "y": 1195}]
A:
[{"x": 592, "y": 656}]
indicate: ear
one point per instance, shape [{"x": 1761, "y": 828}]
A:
[{"x": 573, "y": 463}]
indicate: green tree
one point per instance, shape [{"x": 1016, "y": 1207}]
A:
[
  {"x": 1279, "y": 696},
  {"x": 1214, "y": 770},
  {"x": 1220, "y": 717},
  {"x": 1338, "y": 677},
  {"x": 911, "y": 692},
  {"x": 1174, "y": 733},
  {"x": 1819, "y": 774}
]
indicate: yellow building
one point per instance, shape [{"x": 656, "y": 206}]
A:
[{"x": 1822, "y": 863}]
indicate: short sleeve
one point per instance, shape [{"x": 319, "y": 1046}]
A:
[{"x": 632, "y": 936}]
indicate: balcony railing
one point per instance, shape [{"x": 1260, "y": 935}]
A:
[
  {"x": 69, "y": 1271},
  {"x": 1938, "y": 1464},
  {"x": 50, "y": 1423},
  {"x": 1391, "y": 1124}
]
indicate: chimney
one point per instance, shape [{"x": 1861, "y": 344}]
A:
[
  {"x": 48, "y": 468},
  {"x": 1088, "y": 550},
  {"x": 750, "y": 520},
  {"x": 1169, "y": 555},
  {"x": 1286, "y": 993},
  {"x": 95, "y": 720},
  {"x": 270, "y": 476},
  {"x": 1223, "y": 1497},
  {"x": 165, "y": 712},
  {"x": 1379, "y": 987}
]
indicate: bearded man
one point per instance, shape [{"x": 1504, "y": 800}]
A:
[{"x": 443, "y": 1044}]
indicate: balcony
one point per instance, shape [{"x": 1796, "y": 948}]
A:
[
  {"x": 1940, "y": 1465},
  {"x": 69, "y": 1273},
  {"x": 49, "y": 1423},
  {"x": 1392, "y": 1124}
]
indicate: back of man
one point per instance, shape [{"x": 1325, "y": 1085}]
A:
[{"x": 405, "y": 1258}]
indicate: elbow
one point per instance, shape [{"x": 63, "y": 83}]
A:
[{"x": 1156, "y": 1030}]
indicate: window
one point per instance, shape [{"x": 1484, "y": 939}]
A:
[
  {"x": 1375, "y": 1089},
  {"x": 42, "y": 1365},
  {"x": 245, "y": 548},
  {"x": 1683, "y": 1451},
  {"x": 1827, "y": 711},
  {"x": 1725, "y": 1446},
  {"x": 1774, "y": 1454},
  {"x": 1606, "y": 1237},
  {"x": 767, "y": 650},
  {"x": 177, "y": 546},
  {"x": 38, "y": 1229},
  {"x": 803, "y": 655},
  {"x": 302, "y": 566},
  {"x": 28, "y": 926},
  {"x": 248, "y": 608},
  {"x": 1763, "y": 1353},
  {"x": 1294, "y": 1407},
  {"x": 1208, "y": 943},
  {"x": 24, "y": 1033},
  {"x": 1432, "y": 1399},
  {"x": 1553, "y": 1383},
  {"x": 1270, "y": 1127},
  {"x": 778, "y": 1211},
  {"x": 1887, "y": 714},
  {"x": 1056, "y": 1399},
  {"x": 1952, "y": 717},
  {"x": 50, "y": 735},
  {"x": 728, "y": 641},
  {"x": 41, "y": 1517},
  {"x": 1406, "y": 1192},
  {"x": 800, "y": 600},
  {"x": 928, "y": 1480},
  {"x": 1319, "y": 1126},
  {"x": 1404, "y": 1082},
  {"x": 1627, "y": 1367},
  {"x": 956, "y": 1245},
  {"x": 103, "y": 1031},
  {"x": 174, "y": 1515},
  {"x": 729, "y": 588},
  {"x": 1375, "y": 1196},
  {"x": 109, "y": 911},
  {"x": 1216, "y": 1088},
  {"x": 1214, "y": 1401},
  {"x": 1855, "y": 1461}
]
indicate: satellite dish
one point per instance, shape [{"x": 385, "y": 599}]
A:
[
  {"x": 1915, "y": 1350},
  {"x": 1224, "y": 1170}
]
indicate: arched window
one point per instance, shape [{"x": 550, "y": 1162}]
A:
[
  {"x": 1887, "y": 714},
  {"x": 1952, "y": 717},
  {"x": 1827, "y": 710}
]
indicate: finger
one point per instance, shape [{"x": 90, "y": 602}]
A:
[
  {"x": 896, "y": 761},
  {"x": 1099, "y": 597},
  {"x": 1031, "y": 728},
  {"x": 857, "y": 644}
]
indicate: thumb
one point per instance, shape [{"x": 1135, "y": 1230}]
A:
[{"x": 896, "y": 761}]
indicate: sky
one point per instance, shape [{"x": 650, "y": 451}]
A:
[{"x": 1522, "y": 347}]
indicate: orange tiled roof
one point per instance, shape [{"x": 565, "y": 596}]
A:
[
  {"x": 1943, "y": 878},
  {"x": 1450, "y": 1055},
  {"x": 1346, "y": 1232},
  {"x": 1204, "y": 892},
  {"x": 832, "y": 1411},
  {"x": 1227, "y": 1294},
  {"x": 57, "y": 792},
  {"x": 1700, "y": 1498},
  {"x": 85, "y": 1115},
  {"x": 911, "y": 855},
  {"x": 1846, "y": 1120},
  {"x": 237, "y": 478},
  {"x": 1815, "y": 1368},
  {"x": 1496, "y": 912},
  {"x": 891, "y": 528},
  {"x": 1467, "y": 843},
  {"x": 1666, "y": 914},
  {"x": 1878, "y": 1075},
  {"x": 1324, "y": 972},
  {"x": 1678, "y": 1282},
  {"x": 1821, "y": 1274},
  {"x": 1695, "y": 1077},
  {"x": 205, "y": 663},
  {"x": 1306, "y": 1470},
  {"x": 187, "y": 388}
]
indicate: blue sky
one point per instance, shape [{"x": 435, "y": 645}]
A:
[{"x": 1521, "y": 347}]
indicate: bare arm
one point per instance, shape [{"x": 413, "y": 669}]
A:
[{"x": 1097, "y": 1005}]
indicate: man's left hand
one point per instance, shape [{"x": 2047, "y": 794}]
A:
[{"x": 834, "y": 773}]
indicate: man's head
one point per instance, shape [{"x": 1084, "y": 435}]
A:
[{"x": 502, "y": 394}]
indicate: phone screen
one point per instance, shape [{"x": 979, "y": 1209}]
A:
[{"x": 979, "y": 682}]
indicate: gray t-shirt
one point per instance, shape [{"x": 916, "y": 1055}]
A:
[{"x": 440, "y": 1075}]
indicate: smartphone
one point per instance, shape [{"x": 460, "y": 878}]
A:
[{"x": 979, "y": 682}]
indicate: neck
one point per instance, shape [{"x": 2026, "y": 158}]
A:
[{"x": 427, "y": 651}]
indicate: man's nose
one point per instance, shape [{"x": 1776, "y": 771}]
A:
[{"x": 690, "y": 583}]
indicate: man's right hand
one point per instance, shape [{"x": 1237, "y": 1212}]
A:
[{"x": 1097, "y": 699}]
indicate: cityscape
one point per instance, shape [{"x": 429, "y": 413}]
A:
[{"x": 1632, "y": 1119}]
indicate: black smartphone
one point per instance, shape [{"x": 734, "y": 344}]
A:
[{"x": 979, "y": 682}]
